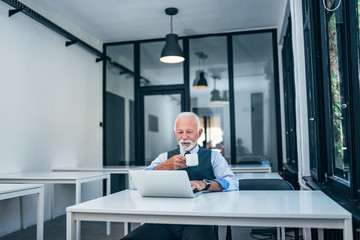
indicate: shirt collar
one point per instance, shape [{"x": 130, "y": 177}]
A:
[{"x": 194, "y": 150}]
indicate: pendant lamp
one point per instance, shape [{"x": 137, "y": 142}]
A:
[
  {"x": 200, "y": 80},
  {"x": 215, "y": 94},
  {"x": 171, "y": 53},
  {"x": 225, "y": 98}
]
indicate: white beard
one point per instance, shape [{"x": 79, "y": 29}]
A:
[{"x": 191, "y": 146}]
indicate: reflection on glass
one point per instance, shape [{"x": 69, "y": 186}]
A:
[
  {"x": 338, "y": 103},
  {"x": 208, "y": 62},
  {"x": 152, "y": 71},
  {"x": 119, "y": 109},
  {"x": 160, "y": 112},
  {"x": 255, "y": 113}
]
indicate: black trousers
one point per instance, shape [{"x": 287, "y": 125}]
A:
[{"x": 149, "y": 231}]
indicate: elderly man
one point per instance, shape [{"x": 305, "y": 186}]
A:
[{"x": 212, "y": 173}]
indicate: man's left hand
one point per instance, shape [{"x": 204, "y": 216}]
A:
[{"x": 199, "y": 185}]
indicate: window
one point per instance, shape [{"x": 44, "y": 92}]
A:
[
  {"x": 332, "y": 54},
  {"x": 338, "y": 93}
]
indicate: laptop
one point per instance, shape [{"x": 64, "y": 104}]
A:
[{"x": 163, "y": 183}]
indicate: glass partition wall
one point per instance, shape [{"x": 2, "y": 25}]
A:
[
  {"x": 208, "y": 56},
  {"x": 119, "y": 129},
  {"x": 237, "y": 109},
  {"x": 254, "y": 95}
]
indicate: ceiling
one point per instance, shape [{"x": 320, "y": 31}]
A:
[{"x": 125, "y": 20}]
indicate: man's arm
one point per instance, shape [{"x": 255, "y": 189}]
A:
[
  {"x": 162, "y": 163},
  {"x": 224, "y": 176},
  {"x": 173, "y": 163}
]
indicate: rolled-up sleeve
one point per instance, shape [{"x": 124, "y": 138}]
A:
[
  {"x": 160, "y": 159},
  {"x": 223, "y": 174}
]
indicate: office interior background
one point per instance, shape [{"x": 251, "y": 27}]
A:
[{"x": 286, "y": 74}]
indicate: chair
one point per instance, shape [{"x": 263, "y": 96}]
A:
[{"x": 262, "y": 184}]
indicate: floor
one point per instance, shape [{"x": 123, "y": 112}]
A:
[{"x": 55, "y": 230}]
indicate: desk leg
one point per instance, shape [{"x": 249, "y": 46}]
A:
[
  {"x": 278, "y": 233},
  {"x": 126, "y": 228},
  {"x": 126, "y": 224},
  {"x": 78, "y": 200},
  {"x": 321, "y": 234},
  {"x": 128, "y": 181},
  {"x": 40, "y": 215},
  {"x": 52, "y": 195},
  {"x": 70, "y": 226},
  {"x": 108, "y": 224},
  {"x": 22, "y": 218},
  {"x": 283, "y": 233},
  {"x": 347, "y": 232}
]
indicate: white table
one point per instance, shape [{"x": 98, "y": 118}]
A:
[
  {"x": 19, "y": 190},
  {"x": 107, "y": 169},
  {"x": 77, "y": 178},
  {"x": 250, "y": 168},
  {"x": 257, "y": 175},
  {"x": 311, "y": 209}
]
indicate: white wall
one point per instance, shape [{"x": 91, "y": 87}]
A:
[{"x": 50, "y": 108}]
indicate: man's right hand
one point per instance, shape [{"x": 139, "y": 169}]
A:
[{"x": 173, "y": 163}]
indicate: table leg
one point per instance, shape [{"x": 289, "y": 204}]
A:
[
  {"x": 347, "y": 232},
  {"x": 52, "y": 195},
  {"x": 108, "y": 187},
  {"x": 321, "y": 234},
  {"x": 278, "y": 233},
  {"x": 22, "y": 218},
  {"x": 283, "y": 233},
  {"x": 40, "y": 215},
  {"x": 126, "y": 228},
  {"x": 77, "y": 201},
  {"x": 128, "y": 181},
  {"x": 70, "y": 226}
]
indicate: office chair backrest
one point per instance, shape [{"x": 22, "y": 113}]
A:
[{"x": 264, "y": 184}]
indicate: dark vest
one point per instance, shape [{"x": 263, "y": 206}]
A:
[{"x": 203, "y": 170}]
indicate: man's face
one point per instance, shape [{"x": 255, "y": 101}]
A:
[{"x": 186, "y": 132}]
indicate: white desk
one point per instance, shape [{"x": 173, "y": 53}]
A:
[
  {"x": 250, "y": 168},
  {"x": 19, "y": 190},
  {"x": 77, "y": 178},
  {"x": 107, "y": 169},
  {"x": 257, "y": 175},
  {"x": 311, "y": 209}
]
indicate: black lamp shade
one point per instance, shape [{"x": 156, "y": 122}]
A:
[
  {"x": 172, "y": 53},
  {"x": 225, "y": 98},
  {"x": 215, "y": 96},
  {"x": 200, "y": 80}
]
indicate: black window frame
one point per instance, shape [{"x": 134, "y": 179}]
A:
[
  {"x": 315, "y": 17},
  {"x": 139, "y": 91}
]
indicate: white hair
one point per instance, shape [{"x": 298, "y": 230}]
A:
[{"x": 188, "y": 114}]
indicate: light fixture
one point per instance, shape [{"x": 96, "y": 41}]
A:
[
  {"x": 171, "y": 53},
  {"x": 215, "y": 94},
  {"x": 200, "y": 80},
  {"x": 225, "y": 98}
]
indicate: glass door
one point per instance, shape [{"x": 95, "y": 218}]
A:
[{"x": 159, "y": 113}]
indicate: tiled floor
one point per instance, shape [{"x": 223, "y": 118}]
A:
[{"x": 55, "y": 230}]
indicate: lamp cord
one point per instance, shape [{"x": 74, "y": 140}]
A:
[
  {"x": 331, "y": 10},
  {"x": 171, "y": 29}
]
